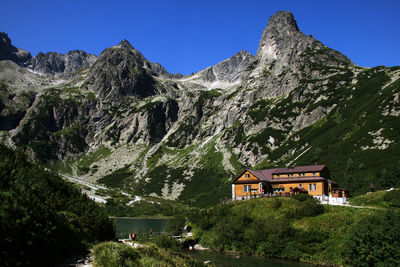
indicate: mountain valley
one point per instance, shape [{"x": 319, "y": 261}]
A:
[{"x": 125, "y": 122}]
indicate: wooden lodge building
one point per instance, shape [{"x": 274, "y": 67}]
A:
[{"x": 313, "y": 180}]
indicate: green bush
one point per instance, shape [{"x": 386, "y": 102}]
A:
[
  {"x": 302, "y": 197},
  {"x": 112, "y": 254},
  {"x": 307, "y": 207},
  {"x": 176, "y": 224},
  {"x": 374, "y": 241},
  {"x": 276, "y": 203},
  {"x": 393, "y": 197},
  {"x": 167, "y": 242}
]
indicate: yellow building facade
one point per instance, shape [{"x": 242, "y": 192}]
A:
[{"x": 313, "y": 180}]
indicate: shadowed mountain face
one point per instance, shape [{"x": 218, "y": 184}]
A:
[
  {"x": 10, "y": 52},
  {"x": 183, "y": 137}
]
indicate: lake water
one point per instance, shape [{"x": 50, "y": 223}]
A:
[
  {"x": 228, "y": 260},
  {"x": 124, "y": 226}
]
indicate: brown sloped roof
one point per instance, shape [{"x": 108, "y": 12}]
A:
[
  {"x": 263, "y": 175},
  {"x": 310, "y": 168},
  {"x": 266, "y": 175}
]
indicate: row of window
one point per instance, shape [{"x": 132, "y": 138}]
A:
[
  {"x": 311, "y": 187},
  {"x": 291, "y": 174}
]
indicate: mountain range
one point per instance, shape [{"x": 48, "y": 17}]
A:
[{"x": 121, "y": 120}]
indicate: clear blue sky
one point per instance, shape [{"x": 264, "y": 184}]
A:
[{"x": 186, "y": 36}]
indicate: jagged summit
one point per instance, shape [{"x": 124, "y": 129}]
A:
[
  {"x": 283, "y": 22},
  {"x": 10, "y": 52},
  {"x": 125, "y": 43},
  {"x": 224, "y": 74},
  {"x": 58, "y": 64},
  {"x": 280, "y": 35},
  {"x": 285, "y": 53}
]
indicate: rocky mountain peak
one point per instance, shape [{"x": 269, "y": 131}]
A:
[
  {"x": 10, "y": 52},
  {"x": 286, "y": 55},
  {"x": 58, "y": 64},
  {"x": 125, "y": 43},
  {"x": 226, "y": 72},
  {"x": 121, "y": 70},
  {"x": 280, "y": 35},
  {"x": 282, "y": 22}
]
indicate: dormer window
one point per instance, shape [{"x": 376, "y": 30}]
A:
[{"x": 247, "y": 175}]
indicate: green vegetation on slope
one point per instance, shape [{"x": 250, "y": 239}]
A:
[
  {"x": 111, "y": 254},
  {"x": 379, "y": 199},
  {"x": 301, "y": 230},
  {"x": 357, "y": 139},
  {"x": 351, "y": 140},
  {"x": 207, "y": 183},
  {"x": 42, "y": 217},
  {"x": 118, "y": 207}
]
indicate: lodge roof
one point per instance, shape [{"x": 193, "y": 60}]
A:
[
  {"x": 310, "y": 168},
  {"x": 298, "y": 179},
  {"x": 267, "y": 174},
  {"x": 263, "y": 175}
]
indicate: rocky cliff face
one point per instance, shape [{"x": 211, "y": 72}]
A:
[
  {"x": 10, "y": 52},
  {"x": 229, "y": 70},
  {"x": 282, "y": 57},
  {"x": 61, "y": 65},
  {"x": 295, "y": 102}
]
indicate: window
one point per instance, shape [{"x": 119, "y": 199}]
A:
[
  {"x": 277, "y": 175},
  {"x": 315, "y": 187},
  {"x": 309, "y": 187},
  {"x": 300, "y": 186},
  {"x": 247, "y": 175},
  {"x": 291, "y": 174},
  {"x": 246, "y": 188},
  {"x": 313, "y": 173}
]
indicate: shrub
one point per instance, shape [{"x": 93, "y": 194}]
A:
[
  {"x": 308, "y": 207},
  {"x": 302, "y": 197},
  {"x": 167, "y": 242},
  {"x": 112, "y": 254},
  {"x": 393, "y": 197},
  {"x": 276, "y": 203},
  {"x": 374, "y": 240},
  {"x": 176, "y": 224}
]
